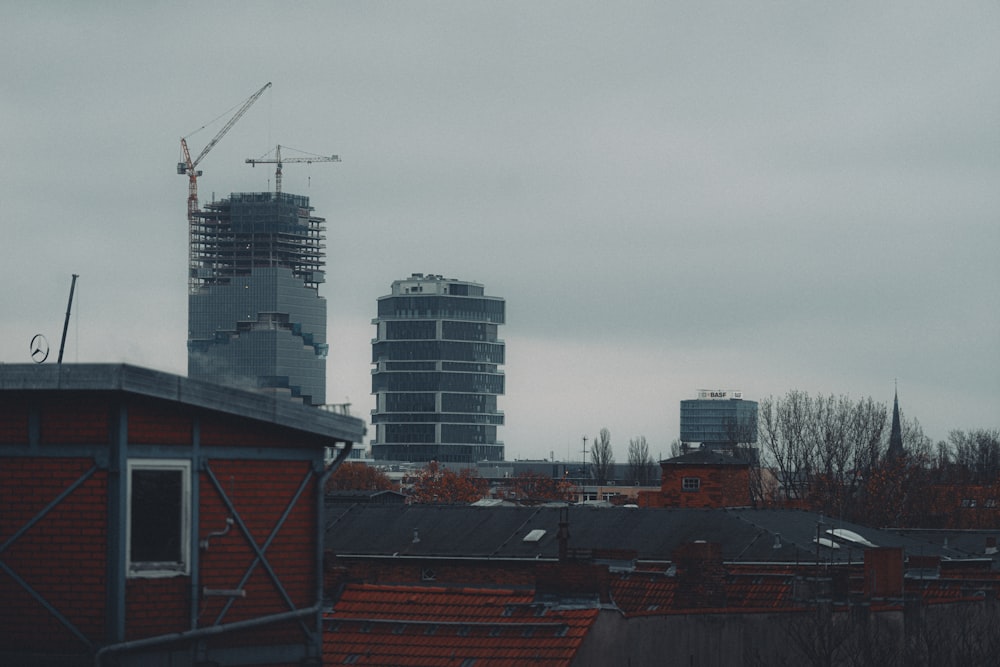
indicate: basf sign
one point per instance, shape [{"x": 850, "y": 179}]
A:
[{"x": 720, "y": 394}]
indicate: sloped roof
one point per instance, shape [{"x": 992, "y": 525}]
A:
[
  {"x": 450, "y": 627},
  {"x": 455, "y": 531},
  {"x": 651, "y": 593}
]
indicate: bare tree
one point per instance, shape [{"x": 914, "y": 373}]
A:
[
  {"x": 825, "y": 448},
  {"x": 783, "y": 432},
  {"x": 640, "y": 462},
  {"x": 601, "y": 457},
  {"x": 977, "y": 453},
  {"x": 676, "y": 448}
]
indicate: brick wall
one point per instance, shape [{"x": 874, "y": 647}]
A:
[
  {"x": 260, "y": 491},
  {"x": 76, "y": 419},
  {"x": 13, "y": 421},
  {"x": 719, "y": 486},
  {"x": 62, "y": 556},
  {"x": 159, "y": 422},
  {"x": 230, "y": 431}
]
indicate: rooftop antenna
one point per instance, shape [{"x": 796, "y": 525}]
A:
[{"x": 69, "y": 307}]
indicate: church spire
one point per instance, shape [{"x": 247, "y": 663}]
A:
[{"x": 896, "y": 435}]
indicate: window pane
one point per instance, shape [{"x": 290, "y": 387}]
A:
[{"x": 157, "y": 504}]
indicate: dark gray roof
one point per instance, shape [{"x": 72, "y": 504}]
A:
[
  {"x": 746, "y": 535},
  {"x": 705, "y": 457},
  {"x": 157, "y": 384}
]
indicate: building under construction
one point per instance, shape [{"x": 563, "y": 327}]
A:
[{"x": 255, "y": 316}]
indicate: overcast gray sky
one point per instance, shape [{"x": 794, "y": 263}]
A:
[{"x": 670, "y": 195}]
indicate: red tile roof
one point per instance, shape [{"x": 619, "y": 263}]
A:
[
  {"x": 450, "y": 627},
  {"x": 649, "y": 593}
]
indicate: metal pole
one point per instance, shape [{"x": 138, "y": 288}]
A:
[{"x": 69, "y": 307}]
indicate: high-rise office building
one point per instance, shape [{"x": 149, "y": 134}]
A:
[
  {"x": 719, "y": 419},
  {"x": 436, "y": 377},
  {"x": 255, "y": 316}
]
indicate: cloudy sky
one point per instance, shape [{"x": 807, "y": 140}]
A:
[{"x": 670, "y": 196}]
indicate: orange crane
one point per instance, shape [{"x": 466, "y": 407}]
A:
[
  {"x": 189, "y": 166},
  {"x": 277, "y": 159}
]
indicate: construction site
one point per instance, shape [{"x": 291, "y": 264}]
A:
[
  {"x": 249, "y": 230},
  {"x": 255, "y": 316}
]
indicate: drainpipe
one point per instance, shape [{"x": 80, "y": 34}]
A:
[
  {"x": 321, "y": 529},
  {"x": 201, "y": 633}
]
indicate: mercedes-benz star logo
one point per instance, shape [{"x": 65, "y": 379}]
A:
[{"x": 39, "y": 349}]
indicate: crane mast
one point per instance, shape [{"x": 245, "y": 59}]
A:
[
  {"x": 277, "y": 160},
  {"x": 189, "y": 167}
]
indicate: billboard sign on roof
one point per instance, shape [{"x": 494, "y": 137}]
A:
[{"x": 720, "y": 394}]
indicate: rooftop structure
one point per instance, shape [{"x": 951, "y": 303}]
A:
[
  {"x": 437, "y": 372},
  {"x": 255, "y": 316}
]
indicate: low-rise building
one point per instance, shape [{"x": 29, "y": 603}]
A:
[{"x": 150, "y": 519}]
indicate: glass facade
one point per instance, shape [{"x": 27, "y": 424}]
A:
[
  {"x": 255, "y": 317},
  {"x": 436, "y": 372},
  {"x": 719, "y": 423}
]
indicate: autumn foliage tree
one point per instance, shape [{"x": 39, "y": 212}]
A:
[
  {"x": 437, "y": 484},
  {"x": 532, "y": 487},
  {"x": 354, "y": 476}
]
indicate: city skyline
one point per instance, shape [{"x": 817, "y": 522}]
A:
[{"x": 669, "y": 198}]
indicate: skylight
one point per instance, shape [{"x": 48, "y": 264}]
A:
[
  {"x": 850, "y": 536},
  {"x": 534, "y": 535},
  {"x": 826, "y": 542}
]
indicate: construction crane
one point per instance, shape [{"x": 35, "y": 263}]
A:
[
  {"x": 277, "y": 159},
  {"x": 189, "y": 167}
]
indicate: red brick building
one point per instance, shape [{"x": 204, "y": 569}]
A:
[
  {"x": 149, "y": 519},
  {"x": 701, "y": 478}
]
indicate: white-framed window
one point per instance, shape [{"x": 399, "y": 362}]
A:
[
  {"x": 159, "y": 517},
  {"x": 691, "y": 484}
]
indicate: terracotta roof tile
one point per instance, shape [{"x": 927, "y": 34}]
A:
[{"x": 415, "y": 626}]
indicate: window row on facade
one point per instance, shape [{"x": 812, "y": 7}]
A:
[
  {"x": 479, "y": 383},
  {"x": 442, "y": 307},
  {"x": 427, "y": 402},
  {"x": 492, "y": 353},
  {"x": 428, "y": 330},
  {"x": 428, "y": 433},
  {"x": 435, "y": 417}
]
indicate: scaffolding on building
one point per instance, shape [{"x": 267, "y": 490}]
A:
[{"x": 249, "y": 230}]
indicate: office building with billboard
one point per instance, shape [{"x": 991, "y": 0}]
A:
[{"x": 718, "y": 419}]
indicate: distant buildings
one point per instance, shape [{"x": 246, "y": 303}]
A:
[
  {"x": 718, "y": 419},
  {"x": 436, "y": 374},
  {"x": 255, "y": 316}
]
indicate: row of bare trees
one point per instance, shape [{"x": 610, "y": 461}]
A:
[
  {"x": 822, "y": 447},
  {"x": 641, "y": 467},
  {"x": 829, "y": 453}
]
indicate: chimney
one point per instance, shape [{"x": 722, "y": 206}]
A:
[
  {"x": 884, "y": 572},
  {"x": 701, "y": 578},
  {"x": 563, "y": 534}
]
